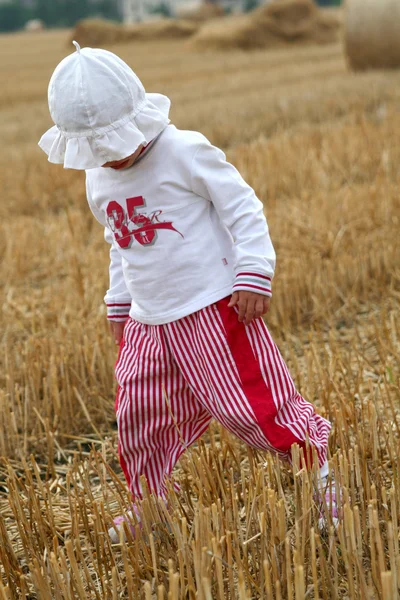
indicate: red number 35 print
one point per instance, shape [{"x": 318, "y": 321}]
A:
[{"x": 129, "y": 226}]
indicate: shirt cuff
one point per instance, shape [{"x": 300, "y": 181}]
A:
[
  {"x": 118, "y": 311},
  {"x": 253, "y": 282}
]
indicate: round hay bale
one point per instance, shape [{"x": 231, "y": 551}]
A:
[
  {"x": 372, "y": 34},
  {"x": 99, "y": 32}
]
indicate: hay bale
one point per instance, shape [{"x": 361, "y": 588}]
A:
[
  {"x": 289, "y": 19},
  {"x": 99, "y": 32},
  {"x": 372, "y": 34},
  {"x": 234, "y": 32},
  {"x": 164, "y": 29},
  {"x": 328, "y": 23},
  {"x": 280, "y": 23}
]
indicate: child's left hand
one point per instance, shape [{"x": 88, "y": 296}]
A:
[
  {"x": 250, "y": 304},
  {"x": 117, "y": 331}
]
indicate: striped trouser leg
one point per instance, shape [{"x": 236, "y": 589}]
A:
[
  {"x": 157, "y": 413},
  {"x": 238, "y": 375}
]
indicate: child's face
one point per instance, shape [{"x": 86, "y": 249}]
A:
[{"x": 125, "y": 163}]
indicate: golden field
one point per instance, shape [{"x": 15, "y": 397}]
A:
[{"x": 320, "y": 145}]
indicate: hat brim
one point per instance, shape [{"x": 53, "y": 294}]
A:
[{"x": 94, "y": 150}]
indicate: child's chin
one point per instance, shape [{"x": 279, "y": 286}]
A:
[{"x": 122, "y": 166}]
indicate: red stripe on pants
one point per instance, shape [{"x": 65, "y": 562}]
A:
[
  {"x": 258, "y": 393},
  {"x": 208, "y": 365}
]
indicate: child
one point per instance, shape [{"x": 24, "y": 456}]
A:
[{"x": 190, "y": 276}]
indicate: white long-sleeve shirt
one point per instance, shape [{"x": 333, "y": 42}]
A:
[{"x": 185, "y": 230}]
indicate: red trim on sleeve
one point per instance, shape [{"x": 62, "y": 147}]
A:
[
  {"x": 255, "y": 287},
  {"x": 248, "y": 274},
  {"x": 117, "y": 304}
]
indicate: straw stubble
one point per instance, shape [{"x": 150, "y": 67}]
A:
[{"x": 321, "y": 151}]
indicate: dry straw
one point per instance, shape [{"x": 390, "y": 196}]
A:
[
  {"x": 372, "y": 34},
  {"x": 280, "y": 23},
  {"x": 320, "y": 147},
  {"x": 98, "y": 32}
]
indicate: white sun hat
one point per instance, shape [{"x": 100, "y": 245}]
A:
[{"x": 100, "y": 109}]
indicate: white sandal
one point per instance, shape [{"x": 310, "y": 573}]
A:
[{"x": 118, "y": 525}]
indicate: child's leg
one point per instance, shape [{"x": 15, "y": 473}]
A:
[
  {"x": 151, "y": 387},
  {"x": 238, "y": 374}
]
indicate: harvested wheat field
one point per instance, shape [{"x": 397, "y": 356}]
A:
[{"x": 321, "y": 147}]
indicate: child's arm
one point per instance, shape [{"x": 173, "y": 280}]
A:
[
  {"x": 242, "y": 212},
  {"x": 117, "y": 298}
]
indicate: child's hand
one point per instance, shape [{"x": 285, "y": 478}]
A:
[
  {"x": 117, "y": 330},
  {"x": 250, "y": 304}
]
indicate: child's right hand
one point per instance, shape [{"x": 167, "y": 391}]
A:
[{"x": 117, "y": 330}]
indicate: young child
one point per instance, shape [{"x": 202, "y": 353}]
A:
[{"x": 190, "y": 276}]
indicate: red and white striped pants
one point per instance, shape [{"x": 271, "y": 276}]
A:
[{"x": 206, "y": 365}]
